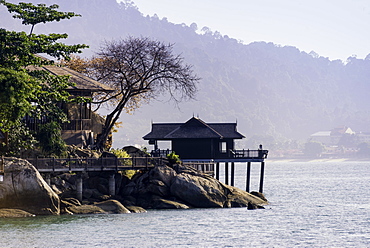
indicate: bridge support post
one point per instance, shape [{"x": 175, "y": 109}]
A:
[
  {"x": 261, "y": 176},
  {"x": 232, "y": 173},
  {"x": 79, "y": 187},
  {"x": 248, "y": 181},
  {"x": 226, "y": 173},
  {"x": 47, "y": 178},
  {"x": 112, "y": 185},
  {"x": 218, "y": 170}
]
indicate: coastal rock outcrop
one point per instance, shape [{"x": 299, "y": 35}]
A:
[
  {"x": 163, "y": 187},
  {"x": 14, "y": 213},
  {"x": 180, "y": 186},
  {"x": 112, "y": 207},
  {"x": 24, "y": 188}
]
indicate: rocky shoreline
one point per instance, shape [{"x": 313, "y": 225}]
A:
[{"x": 24, "y": 192}]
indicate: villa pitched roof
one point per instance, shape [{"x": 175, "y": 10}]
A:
[
  {"x": 81, "y": 82},
  {"x": 194, "y": 128}
]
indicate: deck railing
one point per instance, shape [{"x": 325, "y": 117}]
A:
[
  {"x": 207, "y": 167},
  {"x": 160, "y": 153},
  {"x": 76, "y": 124},
  {"x": 262, "y": 154},
  {"x": 94, "y": 164},
  {"x": 237, "y": 154}
]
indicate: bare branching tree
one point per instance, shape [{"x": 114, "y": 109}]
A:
[{"x": 139, "y": 69}]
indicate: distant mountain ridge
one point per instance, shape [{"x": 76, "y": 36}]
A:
[{"x": 277, "y": 93}]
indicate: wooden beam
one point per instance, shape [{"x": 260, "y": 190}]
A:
[
  {"x": 261, "y": 176},
  {"x": 232, "y": 173},
  {"x": 226, "y": 173},
  {"x": 248, "y": 181},
  {"x": 218, "y": 170}
]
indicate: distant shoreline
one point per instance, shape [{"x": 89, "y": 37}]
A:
[{"x": 336, "y": 160}]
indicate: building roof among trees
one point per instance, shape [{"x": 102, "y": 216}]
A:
[
  {"x": 81, "y": 82},
  {"x": 194, "y": 128}
]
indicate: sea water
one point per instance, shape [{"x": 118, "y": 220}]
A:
[{"x": 312, "y": 204}]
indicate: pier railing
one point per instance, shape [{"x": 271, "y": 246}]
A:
[
  {"x": 232, "y": 154},
  {"x": 261, "y": 154},
  {"x": 94, "y": 164},
  {"x": 207, "y": 167}
]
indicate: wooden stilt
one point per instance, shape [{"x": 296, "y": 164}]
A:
[
  {"x": 248, "y": 181},
  {"x": 226, "y": 173},
  {"x": 79, "y": 188},
  {"x": 112, "y": 185},
  {"x": 261, "y": 176},
  {"x": 232, "y": 173},
  {"x": 218, "y": 170}
]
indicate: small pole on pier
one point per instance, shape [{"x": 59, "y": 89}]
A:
[
  {"x": 232, "y": 173},
  {"x": 248, "y": 181},
  {"x": 226, "y": 173},
  {"x": 261, "y": 176},
  {"x": 218, "y": 170}
]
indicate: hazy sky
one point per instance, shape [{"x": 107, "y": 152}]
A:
[{"x": 336, "y": 29}]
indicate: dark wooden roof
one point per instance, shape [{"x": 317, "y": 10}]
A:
[{"x": 194, "y": 128}]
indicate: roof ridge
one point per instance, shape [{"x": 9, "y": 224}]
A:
[
  {"x": 221, "y": 136},
  {"x": 200, "y": 121}
]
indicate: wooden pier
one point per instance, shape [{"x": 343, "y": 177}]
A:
[
  {"x": 50, "y": 165},
  {"x": 111, "y": 165},
  {"x": 212, "y": 167}
]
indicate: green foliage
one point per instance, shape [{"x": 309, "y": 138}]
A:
[
  {"x": 50, "y": 138},
  {"x": 20, "y": 140},
  {"x": 17, "y": 88},
  {"x": 25, "y": 90},
  {"x": 32, "y": 15},
  {"x": 120, "y": 153},
  {"x": 129, "y": 173},
  {"x": 173, "y": 158}
]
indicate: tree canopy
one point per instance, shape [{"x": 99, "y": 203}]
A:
[
  {"x": 140, "y": 70},
  {"x": 25, "y": 90}
]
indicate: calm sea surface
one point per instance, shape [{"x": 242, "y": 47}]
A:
[{"x": 313, "y": 204}]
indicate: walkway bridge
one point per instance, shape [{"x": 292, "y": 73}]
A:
[{"x": 113, "y": 164}]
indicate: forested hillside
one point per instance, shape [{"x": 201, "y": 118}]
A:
[{"x": 275, "y": 93}]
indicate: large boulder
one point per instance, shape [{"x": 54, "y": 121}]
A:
[
  {"x": 14, "y": 213},
  {"x": 112, "y": 207},
  {"x": 24, "y": 188},
  {"x": 240, "y": 198},
  {"x": 86, "y": 209},
  {"x": 190, "y": 187},
  {"x": 201, "y": 192},
  {"x": 168, "y": 204},
  {"x": 136, "y": 209}
]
